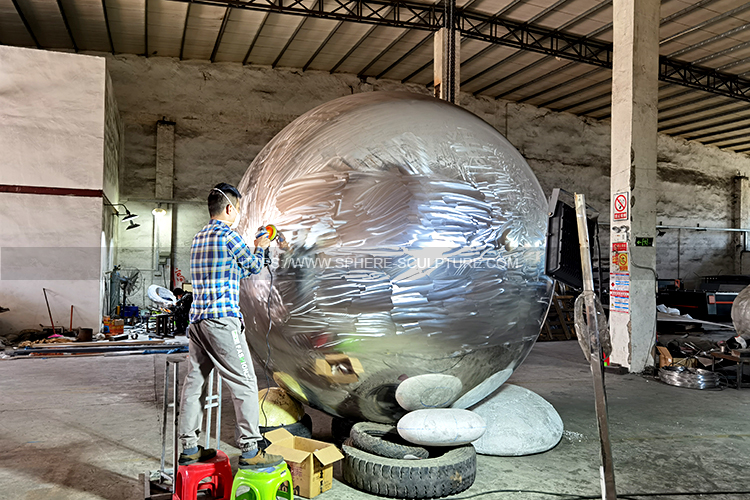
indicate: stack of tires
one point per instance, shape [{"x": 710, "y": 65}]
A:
[{"x": 377, "y": 460}]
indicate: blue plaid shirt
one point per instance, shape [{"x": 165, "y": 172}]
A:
[{"x": 219, "y": 258}]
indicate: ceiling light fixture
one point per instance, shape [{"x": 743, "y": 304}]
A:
[
  {"x": 159, "y": 211},
  {"x": 132, "y": 225},
  {"x": 128, "y": 215}
]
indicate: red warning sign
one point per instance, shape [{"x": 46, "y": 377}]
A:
[{"x": 620, "y": 207}]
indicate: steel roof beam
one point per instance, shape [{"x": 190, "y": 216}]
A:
[
  {"x": 734, "y": 144},
  {"x": 223, "y": 27},
  {"x": 723, "y": 53},
  {"x": 26, "y": 23},
  {"x": 699, "y": 128},
  {"x": 684, "y": 104},
  {"x": 696, "y": 111},
  {"x": 106, "y": 22},
  {"x": 184, "y": 31},
  {"x": 586, "y": 101},
  {"x": 289, "y": 42},
  {"x": 709, "y": 41},
  {"x": 145, "y": 27},
  {"x": 255, "y": 38},
  {"x": 499, "y": 31},
  {"x": 705, "y": 23},
  {"x": 598, "y": 108},
  {"x": 565, "y": 26},
  {"x": 720, "y": 132},
  {"x": 67, "y": 24}
]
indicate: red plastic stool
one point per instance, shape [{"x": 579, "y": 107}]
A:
[{"x": 189, "y": 479}]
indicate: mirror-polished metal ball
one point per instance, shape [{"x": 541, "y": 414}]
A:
[{"x": 417, "y": 240}]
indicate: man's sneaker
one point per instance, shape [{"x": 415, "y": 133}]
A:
[
  {"x": 200, "y": 456},
  {"x": 261, "y": 461}
]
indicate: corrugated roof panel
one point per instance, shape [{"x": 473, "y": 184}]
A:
[
  {"x": 126, "y": 21},
  {"x": 306, "y": 42},
  {"x": 166, "y": 21},
  {"x": 86, "y": 19},
  {"x": 339, "y": 44},
  {"x": 377, "y": 42},
  {"x": 238, "y": 35},
  {"x": 587, "y": 26},
  {"x": 524, "y": 11},
  {"x": 203, "y": 27},
  {"x": 46, "y": 22},
  {"x": 366, "y": 53},
  {"x": 407, "y": 43},
  {"x": 520, "y": 60},
  {"x": 496, "y": 54},
  {"x": 413, "y": 62},
  {"x": 510, "y": 81},
  {"x": 12, "y": 30},
  {"x": 273, "y": 38}
]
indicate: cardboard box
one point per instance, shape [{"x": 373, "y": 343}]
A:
[
  {"x": 666, "y": 359},
  {"x": 339, "y": 368},
  {"x": 309, "y": 461}
]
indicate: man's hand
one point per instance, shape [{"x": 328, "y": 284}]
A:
[{"x": 262, "y": 242}]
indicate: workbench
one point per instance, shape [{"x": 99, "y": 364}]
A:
[{"x": 740, "y": 364}]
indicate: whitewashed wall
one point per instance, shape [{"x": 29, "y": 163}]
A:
[
  {"x": 52, "y": 134},
  {"x": 225, "y": 113}
]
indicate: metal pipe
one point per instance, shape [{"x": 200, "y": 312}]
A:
[
  {"x": 208, "y": 406},
  {"x": 698, "y": 228},
  {"x": 218, "y": 411},
  {"x": 165, "y": 411},
  {"x": 176, "y": 437}
]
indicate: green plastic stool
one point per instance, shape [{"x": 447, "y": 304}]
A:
[{"x": 263, "y": 484}]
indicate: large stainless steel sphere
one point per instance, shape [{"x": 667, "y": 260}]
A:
[{"x": 417, "y": 240}]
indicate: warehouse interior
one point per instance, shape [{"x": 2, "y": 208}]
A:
[{"x": 119, "y": 108}]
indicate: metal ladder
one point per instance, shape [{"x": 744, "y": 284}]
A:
[{"x": 163, "y": 478}]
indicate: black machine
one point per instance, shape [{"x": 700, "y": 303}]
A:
[{"x": 563, "y": 261}]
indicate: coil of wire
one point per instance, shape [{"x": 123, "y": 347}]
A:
[{"x": 692, "y": 378}]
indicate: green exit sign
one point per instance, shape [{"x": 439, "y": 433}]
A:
[{"x": 643, "y": 241}]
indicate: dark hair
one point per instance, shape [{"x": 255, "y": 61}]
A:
[
  {"x": 217, "y": 201},
  {"x": 178, "y": 291}
]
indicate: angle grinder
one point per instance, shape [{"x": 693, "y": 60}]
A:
[{"x": 273, "y": 234}]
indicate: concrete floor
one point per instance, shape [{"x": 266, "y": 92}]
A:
[{"x": 84, "y": 429}]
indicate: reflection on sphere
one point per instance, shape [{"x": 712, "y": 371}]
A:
[{"x": 416, "y": 236}]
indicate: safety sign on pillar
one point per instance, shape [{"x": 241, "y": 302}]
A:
[{"x": 619, "y": 275}]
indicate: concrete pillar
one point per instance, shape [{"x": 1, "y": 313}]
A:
[
  {"x": 447, "y": 65},
  {"x": 633, "y": 181},
  {"x": 164, "y": 190},
  {"x": 164, "y": 160}
]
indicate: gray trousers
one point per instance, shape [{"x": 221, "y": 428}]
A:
[{"x": 220, "y": 344}]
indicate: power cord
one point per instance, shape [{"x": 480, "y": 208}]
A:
[{"x": 268, "y": 351}]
